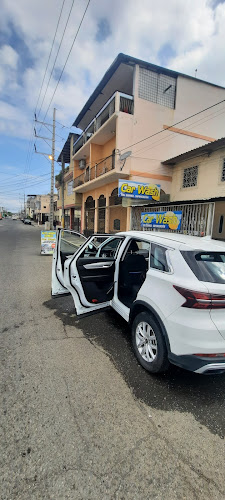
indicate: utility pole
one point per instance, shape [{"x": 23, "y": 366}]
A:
[
  {"x": 63, "y": 212},
  {"x": 52, "y": 174},
  {"x": 52, "y": 158}
]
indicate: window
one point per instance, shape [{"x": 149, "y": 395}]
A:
[
  {"x": 158, "y": 258},
  {"x": 223, "y": 172},
  {"x": 109, "y": 249},
  {"x": 221, "y": 224},
  {"x": 190, "y": 177},
  {"x": 116, "y": 224},
  {"x": 58, "y": 196},
  {"x": 70, "y": 188},
  {"x": 209, "y": 267},
  {"x": 158, "y": 88}
]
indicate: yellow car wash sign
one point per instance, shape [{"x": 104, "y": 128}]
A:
[
  {"x": 140, "y": 190},
  {"x": 163, "y": 220}
]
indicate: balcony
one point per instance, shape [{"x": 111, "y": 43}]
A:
[
  {"x": 93, "y": 173},
  {"x": 98, "y": 175},
  {"x": 117, "y": 103}
]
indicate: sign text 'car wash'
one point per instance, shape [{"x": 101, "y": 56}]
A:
[
  {"x": 163, "y": 220},
  {"x": 140, "y": 190}
]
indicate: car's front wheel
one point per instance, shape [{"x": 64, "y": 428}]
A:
[{"x": 149, "y": 343}]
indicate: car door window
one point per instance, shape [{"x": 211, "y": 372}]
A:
[
  {"x": 110, "y": 247},
  {"x": 70, "y": 242},
  {"x": 158, "y": 258}
]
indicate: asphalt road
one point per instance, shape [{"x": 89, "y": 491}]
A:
[{"x": 80, "y": 419}]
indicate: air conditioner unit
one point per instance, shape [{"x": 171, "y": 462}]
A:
[{"x": 82, "y": 164}]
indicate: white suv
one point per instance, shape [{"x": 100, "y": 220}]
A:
[{"x": 169, "y": 287}]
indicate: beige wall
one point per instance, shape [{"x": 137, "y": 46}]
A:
[
  {"x": 191, "y": 96},
  {"x": 209, "y": 184},
  {"x": 45, "y": 203}
]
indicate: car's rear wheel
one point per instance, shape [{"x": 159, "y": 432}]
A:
[{"x": 149, "y": 343}]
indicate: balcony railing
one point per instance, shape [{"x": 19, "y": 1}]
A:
[
  {"x": 124, "y": 104},
  {"x": 93, "y": 173}
]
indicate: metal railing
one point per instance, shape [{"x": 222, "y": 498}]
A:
[
  {"x": 126, "y": 105},
  {"x": 99, "y": 169}
]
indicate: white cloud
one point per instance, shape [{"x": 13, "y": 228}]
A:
[
  {"x": 193, "y": 31},
  {"x": 8, "y": 56}
]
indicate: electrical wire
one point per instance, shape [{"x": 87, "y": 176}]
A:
[
  {"x": 81, "y": 22},
  {"x": 30, "y": 149},
  {"x": 30, "y": 185},
  {"x": 57, "y": 135},
  {"x": 53, "y": 67},
  {"x": 173, "y": 125},
  {"x": 173, "y": 135},
  {"x": 50, "y": 53}
]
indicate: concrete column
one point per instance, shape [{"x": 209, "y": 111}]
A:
[
  {"x": 107, "y": 214},
  {"x": 128, "y": 224}
]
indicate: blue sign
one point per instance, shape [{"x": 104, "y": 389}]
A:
[
  {"x": 164, "y": 220},
  {"x": 140, "y": 190}
]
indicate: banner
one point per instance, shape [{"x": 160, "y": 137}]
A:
[
  {"x": 140, "y": 190},
  {"x": 48, "y": 239},
  {"x": 163, "y": 220}
]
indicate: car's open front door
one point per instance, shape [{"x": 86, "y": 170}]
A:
[
  {"x": 89, "y": 274},
  {"x": 67, "y": 244}
]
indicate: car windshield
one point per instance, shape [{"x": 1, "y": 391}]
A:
[{"x": 207, "y": 266}]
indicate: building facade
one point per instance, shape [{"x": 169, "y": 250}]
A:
[
  {"x": 127, "y": 112},
  {"x": 64, "y": 184},
  {"x": 197, "y": 190}
]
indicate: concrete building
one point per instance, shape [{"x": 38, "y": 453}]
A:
[
  {"x": 42, "y": 207},
  {"x": 136, "y": 100},
  {"x": 197, "y": 190},
  {"x": 72, "y": 200}
]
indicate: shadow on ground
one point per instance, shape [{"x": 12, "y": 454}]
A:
[{"x": 180, "y": 390}]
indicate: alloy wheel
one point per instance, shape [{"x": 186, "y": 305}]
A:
[{"x": 146, "y": 341}]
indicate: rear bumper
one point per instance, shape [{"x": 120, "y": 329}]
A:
[{"x": 198, "y": 364}]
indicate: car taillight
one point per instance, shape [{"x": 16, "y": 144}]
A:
[{"x": 201, "y": 300}]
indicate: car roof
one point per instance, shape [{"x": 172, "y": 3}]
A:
[{"x": 179, "y": 241}]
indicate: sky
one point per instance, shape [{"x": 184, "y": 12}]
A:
[{"x": 183, "y": 35}]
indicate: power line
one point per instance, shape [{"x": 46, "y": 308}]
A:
[
  {"x": 56, "y": 55},
  {"x": 68, "y": 57},
  {"x": 174, "y": 124},
  {"x": 63, "y": 126},
  {"x": 57, "y": 135},
  {"x": 173, "y": 135},
  {"x": 50, "y": 53},
  {"x": 30, "y": 149},
  {"x": 20, "y": 189}
]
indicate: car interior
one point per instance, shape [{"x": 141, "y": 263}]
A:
[{"x": 132, "y": 270}]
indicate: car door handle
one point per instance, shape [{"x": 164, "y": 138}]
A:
[{"x": 98, "y": 265}]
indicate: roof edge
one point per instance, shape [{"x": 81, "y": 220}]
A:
[{"x": 126, "y": 59}]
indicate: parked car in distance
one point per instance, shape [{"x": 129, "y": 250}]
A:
[
  {"x": 14, "y": 217},
  {"x": 27, "y": 221},
  {"x": 169, "y": 287}
]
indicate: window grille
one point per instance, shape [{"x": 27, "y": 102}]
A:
[
  {"x": 223, "y": 171},
  {"x": 190, "y": 177},
  {"x": 158, "y": 88},
  {"x": 70, "y": 188}
]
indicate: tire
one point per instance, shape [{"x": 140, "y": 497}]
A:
[{"x": 151, "y": 352}]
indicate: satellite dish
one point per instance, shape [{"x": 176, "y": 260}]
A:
[{"x": 124, "y": 156}]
